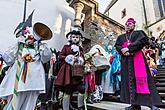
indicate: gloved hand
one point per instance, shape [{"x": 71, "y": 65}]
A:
[
  {"x": 124, "y": 50},
  {"x": 80, "y": 60},
  {"x": 75, "y": 48},
  {"x": 70, "y": 59},
  {"x": 1, "y": 58}
]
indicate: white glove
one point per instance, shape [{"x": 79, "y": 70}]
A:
[
  {"x": 1, "y": 56},
  {"x": 123, "y": 50},
  {"x": 42, "y": 46},
  {"x": 80, "y": 60},
  {"x": 75, "y": 48},
  {"x": 70, "y": 59}
]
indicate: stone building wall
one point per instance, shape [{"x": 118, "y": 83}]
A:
[
  {"x": 101, "y": 29},
  {"x": 97, "y": 28}
]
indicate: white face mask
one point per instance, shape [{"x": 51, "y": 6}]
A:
[
  {"x": 25, "y": 34},
  {"x": 110, "y": 48},
  {"x": 30, "y": 42},
  {"x": 75, "y": 38},
  {"x": 21, "y": 39}
]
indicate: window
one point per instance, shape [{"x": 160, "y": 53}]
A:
[
  {"x": 67, "y": 26},
  {"x": 123, "y": 13},
  {"x": 58, "y": 24},
  {"x": 160, "y": 8},
  {"x": 107, "y": 13},
  {"x": 163, "y": 4}
]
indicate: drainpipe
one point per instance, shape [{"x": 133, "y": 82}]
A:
[{"x": 145, "y": 17}]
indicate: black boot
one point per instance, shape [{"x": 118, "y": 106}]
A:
[
  {"x": 43, "y": 106},
  {"x": 81, "y": 108},
  {"x": 118, "y": 93},
  {"x": 50, "y": 105},
  {"x": 133, "y": 107},
  {"x": 89, "y": 100},
  {"x": 72, "y": 108}
]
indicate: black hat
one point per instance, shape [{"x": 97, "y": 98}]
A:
[{"x": 75, "y": 33}]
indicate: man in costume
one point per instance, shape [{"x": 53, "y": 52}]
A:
[
  {"x": 106, "y": 76},
  {"x": 49, "y": 67},
  {"x": 25, "y": 79},
  {"x": 89, "y": 77},
  {"x": 101, "y": 63},
  {"x": 115, "y": 78},
  {"x": 71, "y": 54},
  {"x": 137, "y": 85}
]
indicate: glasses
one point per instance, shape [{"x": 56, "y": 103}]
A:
[{"x": 129, "y": 24}]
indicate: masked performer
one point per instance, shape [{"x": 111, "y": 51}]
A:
[
  {"x": 115, "y": 78},
  {"x": 101, "y": 63},
  {"x": 90, "y": 69},
  {"x": 49, "y": 67},
  {"x": 71, "y": 54},
  {"x": 25, "y": 79},
  {"x": 137, "y": 85}
]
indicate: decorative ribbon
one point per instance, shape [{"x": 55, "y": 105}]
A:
[
  {"x": 3, "y": 103},
  {"x": 28, "y": 68},
  {"x": 27, "y": 59},
  {"x": 1, "y": 64},
  {"x": 24, "y": 73},
  {"x": 85, "y": 98},
  {"x": 52, "y": 61},
  {"x": 18, "y": 73},
  {"x": 51, "y": 71},
  {"x": 140, "y": 74}
]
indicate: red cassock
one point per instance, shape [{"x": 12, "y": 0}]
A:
[{"x": 64, "y": 77}]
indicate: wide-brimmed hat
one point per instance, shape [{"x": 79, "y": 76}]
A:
[
  {"x": 42, "y": 31},
  {"x": 75, "y": 33}
]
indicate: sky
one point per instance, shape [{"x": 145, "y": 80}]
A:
[{"x": 103, "y": 5}]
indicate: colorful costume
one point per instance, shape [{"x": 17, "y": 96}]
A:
[
  {"x": 101, "y": 63},
  {"x": 115, "y": 72},
  {"x": 106, "y": 76},
  {"x": 71, "y": 54},
  {"x": 25, "y": 79},
  {"x": 47, "y": 98},
  {"x": 89, "y": 77},
  {"x": 64, "y": 80}
]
